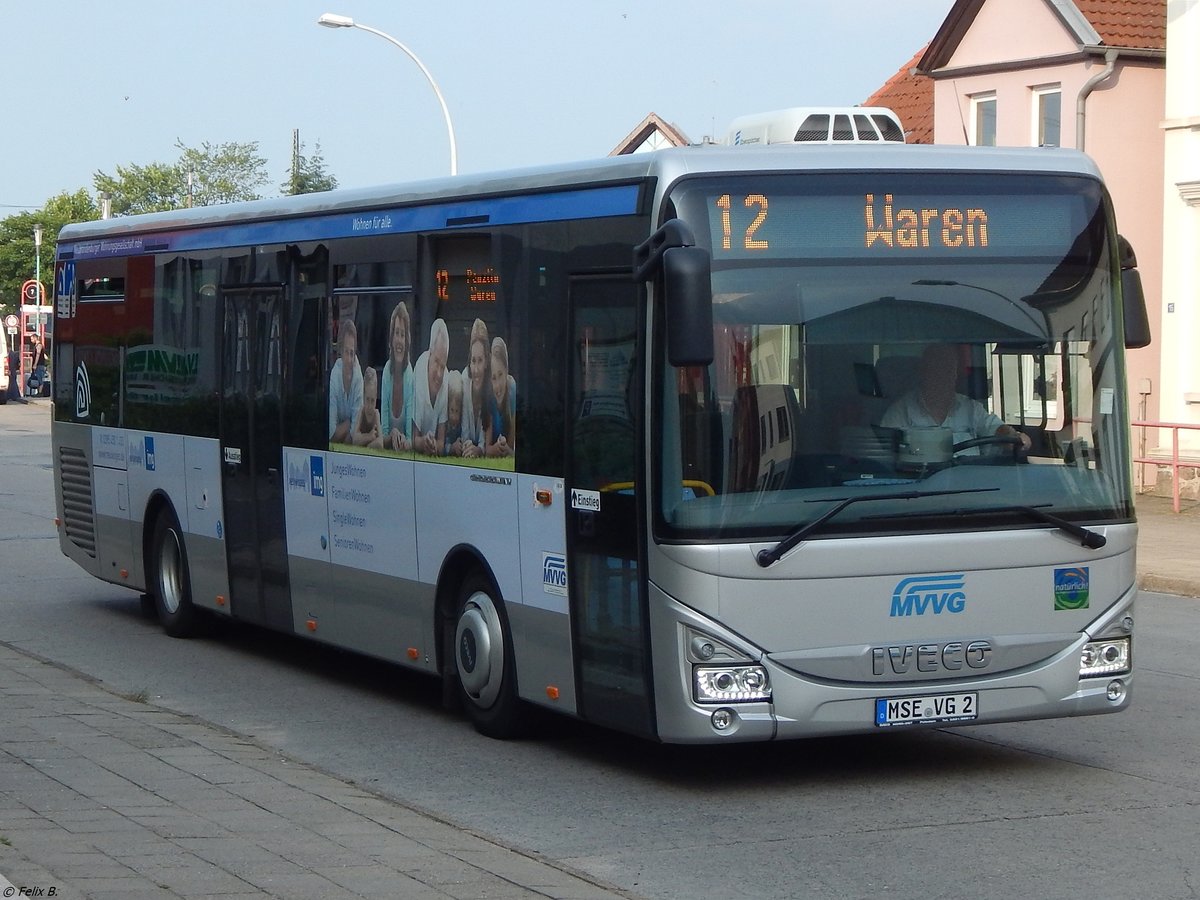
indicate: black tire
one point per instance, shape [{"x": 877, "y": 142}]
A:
[
  {"x": 483, "y": 661},
  {"x": 170, "y": 579}
]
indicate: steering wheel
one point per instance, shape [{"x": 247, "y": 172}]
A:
[{"x": 1014, "y": 440}]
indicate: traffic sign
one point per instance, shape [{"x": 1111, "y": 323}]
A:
[{"x": 32, "y": 292}]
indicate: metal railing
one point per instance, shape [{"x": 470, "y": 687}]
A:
[{"x": 1175, "y": 461}]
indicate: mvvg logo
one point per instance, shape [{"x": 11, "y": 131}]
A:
[
  {"x": 554, "y": 574},
  {"x": 83, "y": 393},
  {"x": 316, "y": 475},
  {"x": 929, "y": 593}
]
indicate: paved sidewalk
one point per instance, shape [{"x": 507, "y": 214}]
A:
[
  {"x": 104, "y": 796},
  {"x": 1168, "y": 559}
]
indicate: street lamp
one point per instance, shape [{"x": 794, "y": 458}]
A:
[
  {"x": 37, "y": 258},
  {"x": 332, "y": 20},
  {"x": 37, "y": 288}
]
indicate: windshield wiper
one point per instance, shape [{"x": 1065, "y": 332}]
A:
[
  {"x": 767, "y": 558},
  {"x": 1093, "y": 540}
]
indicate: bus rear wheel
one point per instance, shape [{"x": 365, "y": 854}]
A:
[
  {"x": 483, "y": 660},
  {"x": 170, "y": 579}
]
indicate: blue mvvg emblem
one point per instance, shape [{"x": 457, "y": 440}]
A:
[
  {"x": 316, "y": 475},
  {"x": 554, "y": 574},
  {"x": 149, "y": 441},
  {"x": 935, "y": 594}
]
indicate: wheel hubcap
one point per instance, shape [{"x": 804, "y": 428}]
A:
[
  {"x": 479, "y": 649},
  {"x": 170, "y": 575}
]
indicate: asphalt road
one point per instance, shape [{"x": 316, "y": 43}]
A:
[{"x": 1098, "y": 807}]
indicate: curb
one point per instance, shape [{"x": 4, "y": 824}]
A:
[{"x": 1168, "y": 584}]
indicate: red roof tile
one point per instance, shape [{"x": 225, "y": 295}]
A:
[
  {"x": 1128, "y": 23},
  {"x": 910, "y": 96}
]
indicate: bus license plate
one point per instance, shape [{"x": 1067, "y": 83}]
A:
[{"x": 893, "y": 711}]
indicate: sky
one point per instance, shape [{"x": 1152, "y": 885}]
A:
[{"x": 91, "y": 86}]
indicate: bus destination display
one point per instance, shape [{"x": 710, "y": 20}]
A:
[{"x": 881, "y": 222}]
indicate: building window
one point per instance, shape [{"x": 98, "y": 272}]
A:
[
  {"x": 1047, "y": 116},
  {"x": 983, "y": 117}
]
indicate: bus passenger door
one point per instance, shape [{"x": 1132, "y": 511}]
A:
[
  {"x": 251, "y": 455},
  {"x": 609, "y": 621}
]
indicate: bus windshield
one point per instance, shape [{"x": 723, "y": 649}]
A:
[{"x": 937, "y": 344}]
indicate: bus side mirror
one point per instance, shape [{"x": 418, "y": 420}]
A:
[
  {"x": 1133, "y": 299},
  {"x": 687, "y": 291}
]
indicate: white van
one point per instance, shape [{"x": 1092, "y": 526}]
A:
[{"x": 818, "y": 124}]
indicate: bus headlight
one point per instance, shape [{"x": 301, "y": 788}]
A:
[
  {"x": 731, "y": 684},
  {"x": 1109, "y": 657}
]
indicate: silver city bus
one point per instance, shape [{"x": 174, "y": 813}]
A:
[{"x": 638, "y": 440}]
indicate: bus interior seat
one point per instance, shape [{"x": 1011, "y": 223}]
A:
[
  {"x": 864, "y": 445},
  {"x": 882, "y": 384},
  {"x": 896, "y": 376}
]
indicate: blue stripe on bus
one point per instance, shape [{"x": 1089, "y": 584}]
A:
[{"x": 588, "y": 203}]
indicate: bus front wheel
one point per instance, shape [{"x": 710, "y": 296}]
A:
[
  {"x": 483, "y": 659},
  {"x": 170, "y": 581}
]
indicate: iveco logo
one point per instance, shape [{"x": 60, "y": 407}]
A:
[
  {"x": 907, "y": 658},
  {"x": 929, "y": 593}
]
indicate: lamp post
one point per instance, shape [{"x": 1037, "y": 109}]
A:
[
  {"x": 37, "y": 258},
  {"x": 37, "y": 275},
  {"x": 332, "y": 20},
  {"x": 34, "y": 287}
]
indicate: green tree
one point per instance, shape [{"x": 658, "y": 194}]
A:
[
  {"x": 18, "y": 258},
  {"x": 308, "y": 174},
  {"x": 202, "y": 176}
]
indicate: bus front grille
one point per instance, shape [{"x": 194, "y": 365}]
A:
[{"x": 75, "y": 475}]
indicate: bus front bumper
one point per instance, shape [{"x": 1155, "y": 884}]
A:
[{"x": 801, "y": 707}]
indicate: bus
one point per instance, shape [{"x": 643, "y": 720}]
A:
[{"x": 606, "y": 438}]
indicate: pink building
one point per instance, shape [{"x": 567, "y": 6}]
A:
[
  {"x": 1180, "y": 378},
  {"x": 1089, "y": 74}
]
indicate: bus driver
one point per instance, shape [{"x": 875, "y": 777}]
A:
[{"x": 935, "y": 402}]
